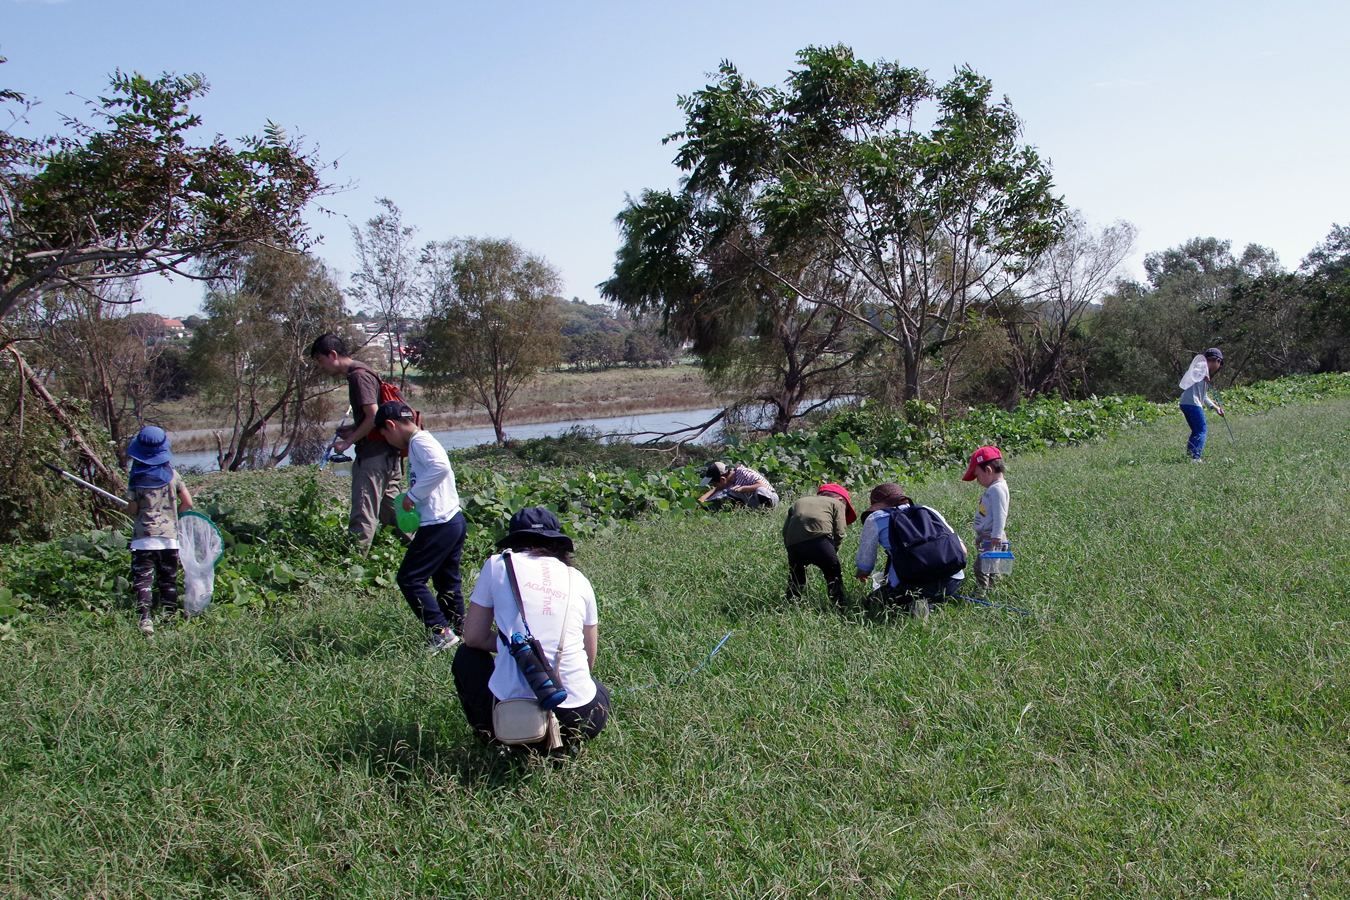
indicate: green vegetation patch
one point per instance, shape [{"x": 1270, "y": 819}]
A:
[{"x": 1171, "y": 721}]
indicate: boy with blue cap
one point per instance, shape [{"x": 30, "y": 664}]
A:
[{"x": 156, "y": 495}]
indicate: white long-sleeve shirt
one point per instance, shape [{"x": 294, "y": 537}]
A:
[
  {"x": 991, "y": 516},
  {"x": 432, "y": 480}
]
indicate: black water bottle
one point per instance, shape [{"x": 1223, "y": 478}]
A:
[{"x": 529, "y": 656}]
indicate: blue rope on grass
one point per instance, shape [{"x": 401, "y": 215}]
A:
[
  {"x": 994, "y": 605},
  {"x": 682, "y": 678}
]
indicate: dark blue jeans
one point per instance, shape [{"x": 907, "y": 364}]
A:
[
  {"x": 434, "y": 554},
  {"x": 1195, "y": 417}
]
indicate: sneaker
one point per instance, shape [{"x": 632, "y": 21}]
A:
[
  {"x": 1198, "y": 459},
  {"x": 147, "y": 626},
  {"x": 441, "y": 640}
]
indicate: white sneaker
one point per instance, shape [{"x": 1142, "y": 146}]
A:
[
  {"x": 442, "y": 640},
  {"x": 147, "y": 626}
]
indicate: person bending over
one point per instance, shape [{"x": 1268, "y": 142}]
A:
[
  {"x": 375, "y": 474},
  {"x": 914, "y": 580},
  {"x": 812, "y": 533},
  {"x": 1196, "y": 397},
  {"x": 740, "y": 484}
]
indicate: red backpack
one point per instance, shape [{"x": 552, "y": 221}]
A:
[{"x": 390, "y": 392}]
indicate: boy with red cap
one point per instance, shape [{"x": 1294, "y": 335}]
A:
[
  {"x": 812, "y": 534},
  {"x": 991, "y": 516}
]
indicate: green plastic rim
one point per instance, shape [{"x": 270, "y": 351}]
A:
[
  {"x": 207, "y": 520},
  {"x": 407, "y": 521}
]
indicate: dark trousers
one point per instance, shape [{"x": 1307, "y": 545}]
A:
[
  {"x": 905, "y": 595},
  {"x": 472, "y": 669},
  {"x": 819, "y": 552},
  {"x": 434, "y": 554},
  {"x": 161, "y": 566}
]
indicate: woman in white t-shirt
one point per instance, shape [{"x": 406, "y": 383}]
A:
[{"x": 559, "y": 609}]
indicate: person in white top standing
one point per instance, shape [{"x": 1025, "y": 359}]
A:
[
  {"x": 991, "y": 516},
  {"x": 559, "y": 610},
  {"x": 436, "y": 547}
]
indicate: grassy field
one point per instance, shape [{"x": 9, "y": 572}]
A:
[{"x": 1171, "y": 722}]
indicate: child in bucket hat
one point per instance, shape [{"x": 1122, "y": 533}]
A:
[
  {"x": 812, "y": 534},
  {"x": 156, "y": 496}
]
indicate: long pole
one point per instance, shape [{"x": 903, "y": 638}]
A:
[
  {"x": 1225, "y": 418},
  {"x": 82, "y": 483}
]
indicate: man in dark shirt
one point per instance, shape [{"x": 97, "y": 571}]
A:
[{"x": 376, "y": 473}]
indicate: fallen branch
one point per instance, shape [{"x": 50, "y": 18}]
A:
[{"x": 60, "y": 416}]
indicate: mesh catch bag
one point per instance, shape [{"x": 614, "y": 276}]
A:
[
  {"x": 1198, "y": 371},
  {"x": 199, "y": 549}
]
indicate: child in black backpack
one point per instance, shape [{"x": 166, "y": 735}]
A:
[
  {"x": 904, "y": 585},
  {"x": 157, "y": 495}
]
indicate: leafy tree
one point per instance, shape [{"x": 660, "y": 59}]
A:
[
  {"x": 387, "y": 279},
  {"x": 1144, "y": 335},
  {"x": 593, "y": 349},
  {"x": 1281, "y": 323},
  {"x": 262, "y": 313},
  {"x": 580, "y": 317},
  {"x": 1043, "y": 320},
  {"x": 757, "y": 339},
  {"x": 126, "y": 194},
  {"x": 99, "y": 351},
  {"x": 493, "y": 323},
  {"x": 919, "y": 228},
  {"x": 647, "y": 345}
]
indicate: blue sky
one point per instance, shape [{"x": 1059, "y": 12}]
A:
[{"x": 534, "y": 120}]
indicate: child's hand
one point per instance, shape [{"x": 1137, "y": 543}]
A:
[
  {"x": 1219, "y": 410},
  {"x": 408, "y": 503}
]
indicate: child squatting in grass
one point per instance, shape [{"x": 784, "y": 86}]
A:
[
  {"x": 906, "y": 586},
  {"x": 156, "y": 495},
  {"x": 812, "y": 533},
  {"x": 436, "y": 547},
  {"x": 991, "y": 516}
]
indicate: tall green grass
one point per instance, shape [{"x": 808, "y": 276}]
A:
[{"x": 1171, "y": 722}]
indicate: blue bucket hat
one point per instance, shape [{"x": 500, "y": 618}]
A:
[
  {"x": 150, "y": 446},
  {"x": 534, "y": 521}
]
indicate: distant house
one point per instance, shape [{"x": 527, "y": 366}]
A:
[{"x": 174, "y": 327}]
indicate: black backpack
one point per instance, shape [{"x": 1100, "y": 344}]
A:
[{"x": 923, "y": 549}]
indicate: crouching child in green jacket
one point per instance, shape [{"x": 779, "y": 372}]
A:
[{"x": 813, "y": 532}]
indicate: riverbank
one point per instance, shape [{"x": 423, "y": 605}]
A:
[{"x": 555, "y": 397}]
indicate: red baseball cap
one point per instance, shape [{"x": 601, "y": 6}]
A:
[
  {"x": 842, "y": 492},
  {"x": 980, "y": 457}
]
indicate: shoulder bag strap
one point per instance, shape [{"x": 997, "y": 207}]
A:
[
  {"x": 520, "y": 604},
  {"x": 515, "y": 591}
]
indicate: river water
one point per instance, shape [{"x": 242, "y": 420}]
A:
[{"x": 652, "y": 423}]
